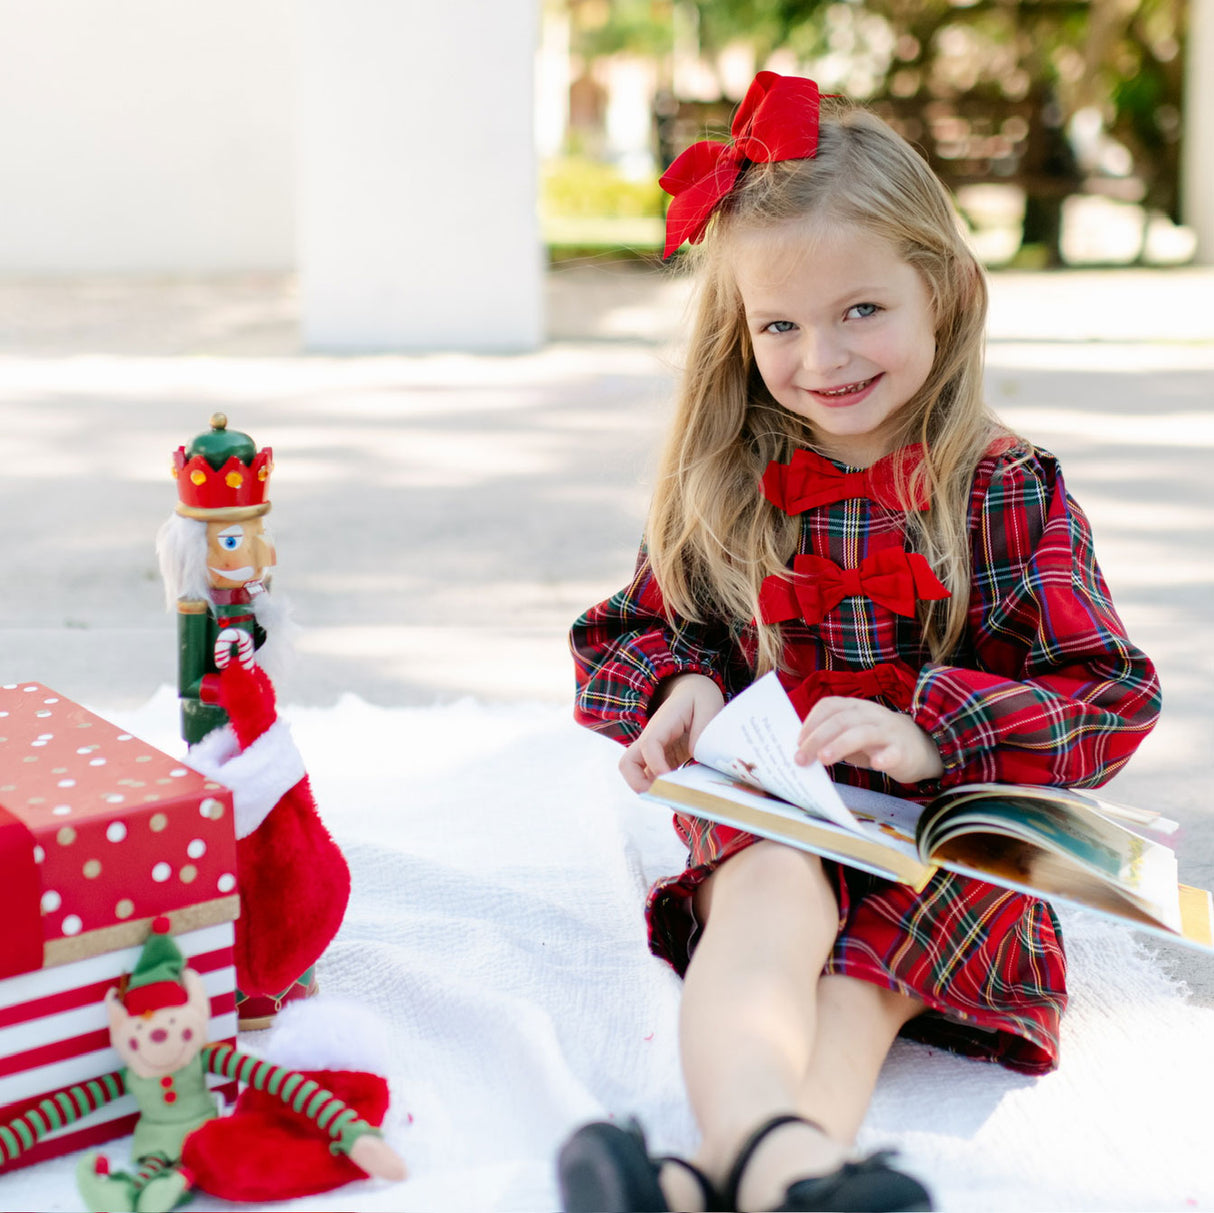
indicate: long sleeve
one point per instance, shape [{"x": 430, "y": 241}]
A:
[
  {"x": 1050, "y": 691},
  {"x": 624, "y": 647}
]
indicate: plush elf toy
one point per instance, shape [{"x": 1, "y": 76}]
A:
[
  {"x": 216, "y": 555},
  {"x": 301, "y": 1139}
]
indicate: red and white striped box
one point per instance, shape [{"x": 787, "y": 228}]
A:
[{"x": 99, "y": 834}]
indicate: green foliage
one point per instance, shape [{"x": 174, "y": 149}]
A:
[{"x": 574, "y": 187}]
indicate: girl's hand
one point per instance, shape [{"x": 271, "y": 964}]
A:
[
  {"x": 865, "y": 734},
  {"x": 687, "y": 703}
]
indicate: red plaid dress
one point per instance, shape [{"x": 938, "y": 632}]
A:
[{"x": 1044, "y": 688}]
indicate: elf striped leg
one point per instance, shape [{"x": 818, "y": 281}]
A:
[{"x": 160, "y": 1184}]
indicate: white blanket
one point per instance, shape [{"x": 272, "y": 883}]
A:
[{"x": 499, "y": 872}]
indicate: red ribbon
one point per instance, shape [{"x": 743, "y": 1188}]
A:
[
  {"x": 777, "y": 120},
  {"x": 809, "y": 480},
  {"x": 891, "y": 577},
  {"x": 892, "y": 681},
  {"x": 21, "y": 938}
]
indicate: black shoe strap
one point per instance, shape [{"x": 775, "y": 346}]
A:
[{"x": 734, "y": 1181}]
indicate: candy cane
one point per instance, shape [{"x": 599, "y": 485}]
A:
[{"x": 223, "y": 648}]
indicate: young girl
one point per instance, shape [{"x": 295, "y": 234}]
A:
[{"x": 835, "y": 501}]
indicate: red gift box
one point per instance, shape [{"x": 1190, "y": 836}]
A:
[{"x": 99, "y": 834}]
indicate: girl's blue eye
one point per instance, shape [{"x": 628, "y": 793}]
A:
[
  {"x": 862, "y": 311},
  {"x": 780, "y": 326}
]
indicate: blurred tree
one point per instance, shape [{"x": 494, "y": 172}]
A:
[{"x": 1054, "y": 95}]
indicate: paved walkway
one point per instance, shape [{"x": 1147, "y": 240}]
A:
[{"x": 440, "y": 519}]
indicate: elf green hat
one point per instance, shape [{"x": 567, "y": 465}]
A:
[{"x": 156, "y": 979}]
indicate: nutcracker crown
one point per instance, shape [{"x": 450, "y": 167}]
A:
[{"x": 222, "y": 475}]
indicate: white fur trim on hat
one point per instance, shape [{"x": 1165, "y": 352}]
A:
[
  {"x": 259, "y": 776},
  {"x": 327, "y": 1033}
]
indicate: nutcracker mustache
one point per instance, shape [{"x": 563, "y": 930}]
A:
[{"x": 242, "y": 574}]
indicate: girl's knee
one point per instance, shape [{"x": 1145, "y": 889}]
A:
[{"x": 770, "y": 871}]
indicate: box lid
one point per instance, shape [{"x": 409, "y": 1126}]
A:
[{"x": 121, "y": 831}]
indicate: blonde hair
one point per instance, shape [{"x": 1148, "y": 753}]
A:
[{"x": 711, "y": 536}]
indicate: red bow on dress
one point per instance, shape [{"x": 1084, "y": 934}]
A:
[
  {"x": 891, "y": 577},
  {"x": 777, "y": 120},
  {"x": 893, "y": 681},
  {"x": 809, "y": 480}
]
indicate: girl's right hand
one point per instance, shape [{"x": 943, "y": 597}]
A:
[{"x": 686, "y": 703}]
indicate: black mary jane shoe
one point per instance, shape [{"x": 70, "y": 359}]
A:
[
  {"x": 868, "y": 1186},
  {"x": 606, "y": 1168}
]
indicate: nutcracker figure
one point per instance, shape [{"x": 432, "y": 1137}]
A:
[{"x": 216, "y": 556}]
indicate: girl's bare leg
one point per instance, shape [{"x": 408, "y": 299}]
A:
[
  {"x": 748, "y": 1007},
  {"x": 856, "y": 1023},
  {"x": 761, "y": 1033}
]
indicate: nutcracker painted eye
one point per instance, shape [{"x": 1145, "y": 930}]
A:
[{"x": 230, "y": 541}]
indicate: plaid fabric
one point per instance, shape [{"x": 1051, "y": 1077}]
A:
[{"x": 1045, "y": 689}]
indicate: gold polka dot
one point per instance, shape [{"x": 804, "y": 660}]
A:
[
  {"x": 92, "y": 869},
  {"x": 174, "y": 471},
  {"x": 158, "y": 822},
  {"x": 188, "y": 873},
  {"x": 198, "y": 478},
  {"x": 144, "y": 758},
  {"x": 125, "y": 908},
  {"x": 234, "y": 480},
  {"x": 31, "y": 758},
  {"x": 36, "y": 800},
  {"x": 66, "y": 836}
]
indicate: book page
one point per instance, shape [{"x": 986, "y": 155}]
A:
[
  {"x": 754, "y": 737},
  {"x": 886, "y": 849},
  {"x": 978, "y": 833}
]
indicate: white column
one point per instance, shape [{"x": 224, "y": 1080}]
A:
[
  {"x": 417, "y": 179},
  {"x": 1197, "y": 168}
]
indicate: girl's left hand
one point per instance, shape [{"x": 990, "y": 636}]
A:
[{"x": 865, "y": 734}]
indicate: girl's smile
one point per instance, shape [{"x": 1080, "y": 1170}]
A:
[
  {"x": 842, "y": 331},
  {"x": 841, "y": 397}
]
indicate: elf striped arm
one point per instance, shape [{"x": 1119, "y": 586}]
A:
[
  {"x": 56, "y": 1111},
  {"x": 300, "y": 1093}
]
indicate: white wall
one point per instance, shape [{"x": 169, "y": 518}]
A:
[
  {"x": 146, "y": 136},
  {"x": 417, "y": 186},
  {"x": 1197, "y": 169}
]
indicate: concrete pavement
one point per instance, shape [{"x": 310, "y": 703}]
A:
[{"x": 440, "y": 519}]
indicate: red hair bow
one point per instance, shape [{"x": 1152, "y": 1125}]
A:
[
  {"x": 809, "y": 480},
  {"x": 777, "y": 120},
  {"x": 891, "y": 578}
]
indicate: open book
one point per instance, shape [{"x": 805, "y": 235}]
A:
[{"x": 1058, "y": 843}]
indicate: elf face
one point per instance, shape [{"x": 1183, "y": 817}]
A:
[
  {"x": 161, "y": 1041},
  {"x": 238, "y": 552}
]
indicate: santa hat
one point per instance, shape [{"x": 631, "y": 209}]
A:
[
  {"x": 265, "y": 1151},
  {"x": 156, "y": 980}
]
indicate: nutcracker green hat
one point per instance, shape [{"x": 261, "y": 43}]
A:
[
  {"x": 156, "y": 980},
  {"x": 222, "y": 475}
]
